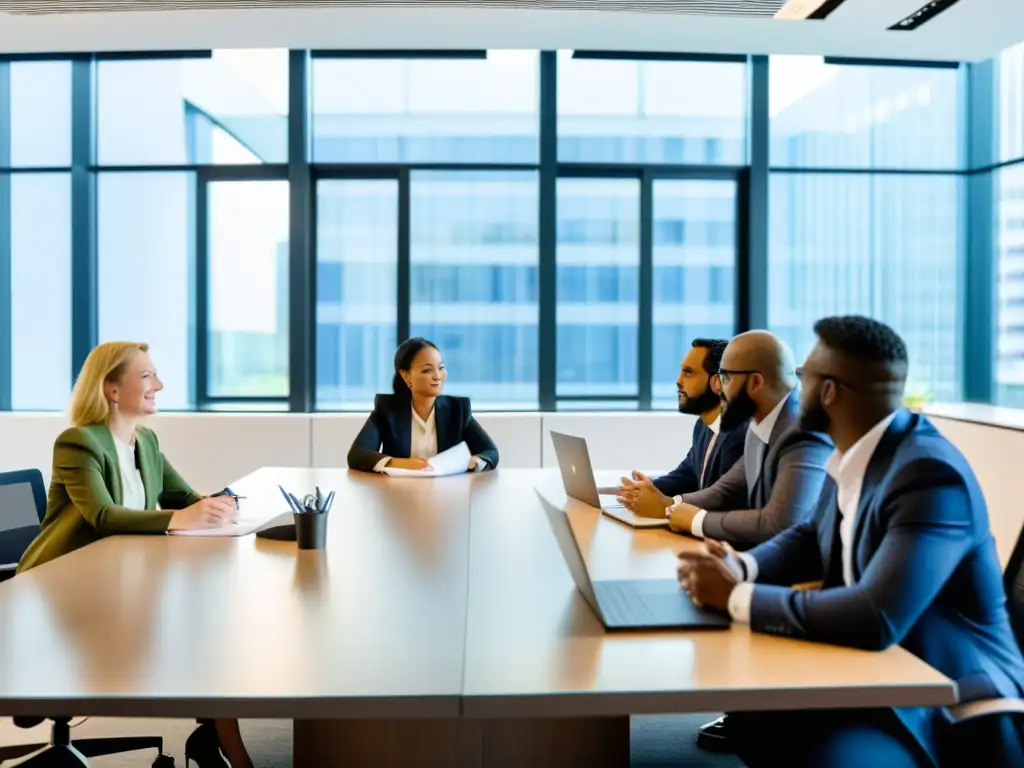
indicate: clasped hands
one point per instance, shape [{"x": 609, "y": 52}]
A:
[
  {"x": 639, "y": 495},
  {"x": 709, "y": 575}
]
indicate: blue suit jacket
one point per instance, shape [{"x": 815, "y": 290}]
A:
[
  {"x": 388, "y": 431},
  {"x": 727, "y": 451},
  {"x": 925, "y": 567}
]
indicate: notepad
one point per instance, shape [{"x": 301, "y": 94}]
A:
[
  {"x": 249, "y": 521},
  {"x": 451, "y": 462}
]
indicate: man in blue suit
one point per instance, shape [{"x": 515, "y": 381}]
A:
[
  {"x": 902, "y": 544},
  {"x": 713, "y": 450}
]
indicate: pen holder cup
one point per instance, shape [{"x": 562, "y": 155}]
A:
[{"x": 311, "y": 530}]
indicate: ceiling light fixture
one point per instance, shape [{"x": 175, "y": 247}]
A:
[{"x": 921, "y": 15}]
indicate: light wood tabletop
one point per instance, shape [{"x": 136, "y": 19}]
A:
[
  {"x": 170, "y": 626},
  {"x": 535, "y": 648},
  {"x": 431, "y": 595}
]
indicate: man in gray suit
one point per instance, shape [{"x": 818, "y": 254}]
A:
[
  {"x": 778, "y": 482},
  {"x": 774, "y": 487}
]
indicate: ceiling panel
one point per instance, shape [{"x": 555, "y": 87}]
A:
[{"x": 749, "y": 8}]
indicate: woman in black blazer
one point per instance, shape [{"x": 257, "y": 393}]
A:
[{"x": 417, "y": 422}]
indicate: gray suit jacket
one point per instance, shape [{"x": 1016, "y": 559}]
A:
[{"x": 746, "y": 507}]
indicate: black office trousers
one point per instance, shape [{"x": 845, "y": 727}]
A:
[{"x": 826, "y": 739}]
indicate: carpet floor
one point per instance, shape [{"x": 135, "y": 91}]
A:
[{"x": 662, "y": 741}]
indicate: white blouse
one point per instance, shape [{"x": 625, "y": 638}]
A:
[{"x": 133, "y": 492}]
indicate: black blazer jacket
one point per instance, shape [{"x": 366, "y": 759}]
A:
[{"x": 388, "y": 431}]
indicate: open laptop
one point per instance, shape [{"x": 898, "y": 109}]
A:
[
  {"x": 578, "y": 479},
  {"x": 638, "y": 604}
]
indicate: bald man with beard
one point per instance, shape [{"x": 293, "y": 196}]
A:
[
  {"x": 774, "y": 486},
  {"x": 778, "y": 481}
]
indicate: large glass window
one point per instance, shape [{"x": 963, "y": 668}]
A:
[
  {"x": 884, "y": 245},
  {"x": 145, "y": 239},
  {"x": 1009, "y": 104},
  {"x": 40, "y": 242},
  {"x": 474, "y": 280},
  {"x": 598, "y": 287},
  {"x": 686, "y": 112},
  {"x": 227, "y": 109},
  {"x": 427, "y": 110},
  {"x": 840, "y": 116},
  {"x": 40, "y": 113},
  {"x": 356, "y": 290},
  {"x": 1009, "y": 388},
  {"x": 247, "y": 309},
  {"x": 694, "y": 252}
]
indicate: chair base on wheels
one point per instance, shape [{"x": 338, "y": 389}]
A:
[{"x": 61, "y": 753}]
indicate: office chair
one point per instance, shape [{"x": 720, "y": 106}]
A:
[
  {"x": 1013, "y": 582},
  {"x": 22, "y": 506}
]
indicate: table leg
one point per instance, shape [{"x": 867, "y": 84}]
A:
[{"x": 562, "y": 742}]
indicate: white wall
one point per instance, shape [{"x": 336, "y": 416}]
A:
[{"x": 212, "y": 449}]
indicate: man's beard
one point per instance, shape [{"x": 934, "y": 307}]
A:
[
  {"x": 702, "y": 403},
  {"x": 738, "y": 410},
  {"x": 815, "y": 418}
]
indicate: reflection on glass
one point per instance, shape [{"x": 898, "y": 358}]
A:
[
  {"x": 40, "y": 122},
  {"x": 651, "y": 111},
  {"x": 880, "y": 245},
  {"x": 598, "y": 286},
  {"x": 356, "y": 308},
  {"x": 248, "y": 289},
  {"x": 230, "y": 108},
  {"x": 1010, "y": 286},
  {"x": 694, "y": 254},
  {"x": 1009, "y": 103},
  {"x": 145, "y": 241},
  {"x": 40, "y": 239},
  {"x": 424, "y": 110},
  {"x": 474, "y": 280},
  {"x": 840, "y": 116}
]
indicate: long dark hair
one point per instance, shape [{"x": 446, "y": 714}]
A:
[{"x": 404, "y": 356}]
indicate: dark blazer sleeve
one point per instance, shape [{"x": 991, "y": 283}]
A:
[
  {"x": 929, "y": 528},
  {"x": 794, "y": 496},
  {"x": 365, "y": 451},
  {"x": 476, "y": 437},
  {"x": 684, "y": 479}
]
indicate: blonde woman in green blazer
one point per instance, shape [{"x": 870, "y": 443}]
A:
[{"x": 108, "y": 477}]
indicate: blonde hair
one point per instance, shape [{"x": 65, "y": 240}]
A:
[{"x": 105, "y": 363}]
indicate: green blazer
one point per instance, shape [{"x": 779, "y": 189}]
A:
[{"x": 84, "y": 502}]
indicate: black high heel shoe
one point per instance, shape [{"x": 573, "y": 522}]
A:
[{"x": 203, "y": 747}]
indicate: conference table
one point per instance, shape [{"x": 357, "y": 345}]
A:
[{"x": 439, "y": 626}]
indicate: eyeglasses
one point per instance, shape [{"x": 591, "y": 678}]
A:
[{"x": 727, "y": 374}]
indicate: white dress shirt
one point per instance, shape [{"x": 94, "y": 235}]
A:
[
  {"x": 763, "y": 432},
  {"x": 847, "y": 470},
  {"x": 133, "y": 492},
  {"x": 423, "y": 442}
]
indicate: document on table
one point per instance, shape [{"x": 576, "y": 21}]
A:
[
  {"x": 451, "y": 462},
  {"x": 251, "y": 519}
]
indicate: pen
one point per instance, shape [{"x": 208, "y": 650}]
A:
[
  {"x": 290, "y": 499},
  {"x": 328, "y": 502}
]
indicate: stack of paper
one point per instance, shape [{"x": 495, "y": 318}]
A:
[
  {"x": 248, "y": 521},
  {"x": 451, "y": 462}
]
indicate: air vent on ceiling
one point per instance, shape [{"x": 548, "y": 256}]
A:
[
  {"x": 808, "y": 9},
  {"x": 751, "y": 8},
  {"x": 922, "y": 15}
]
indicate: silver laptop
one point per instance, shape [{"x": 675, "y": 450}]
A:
[
  {"x": 578, "y": 480},
  {"x": 637, "y": 604}
]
